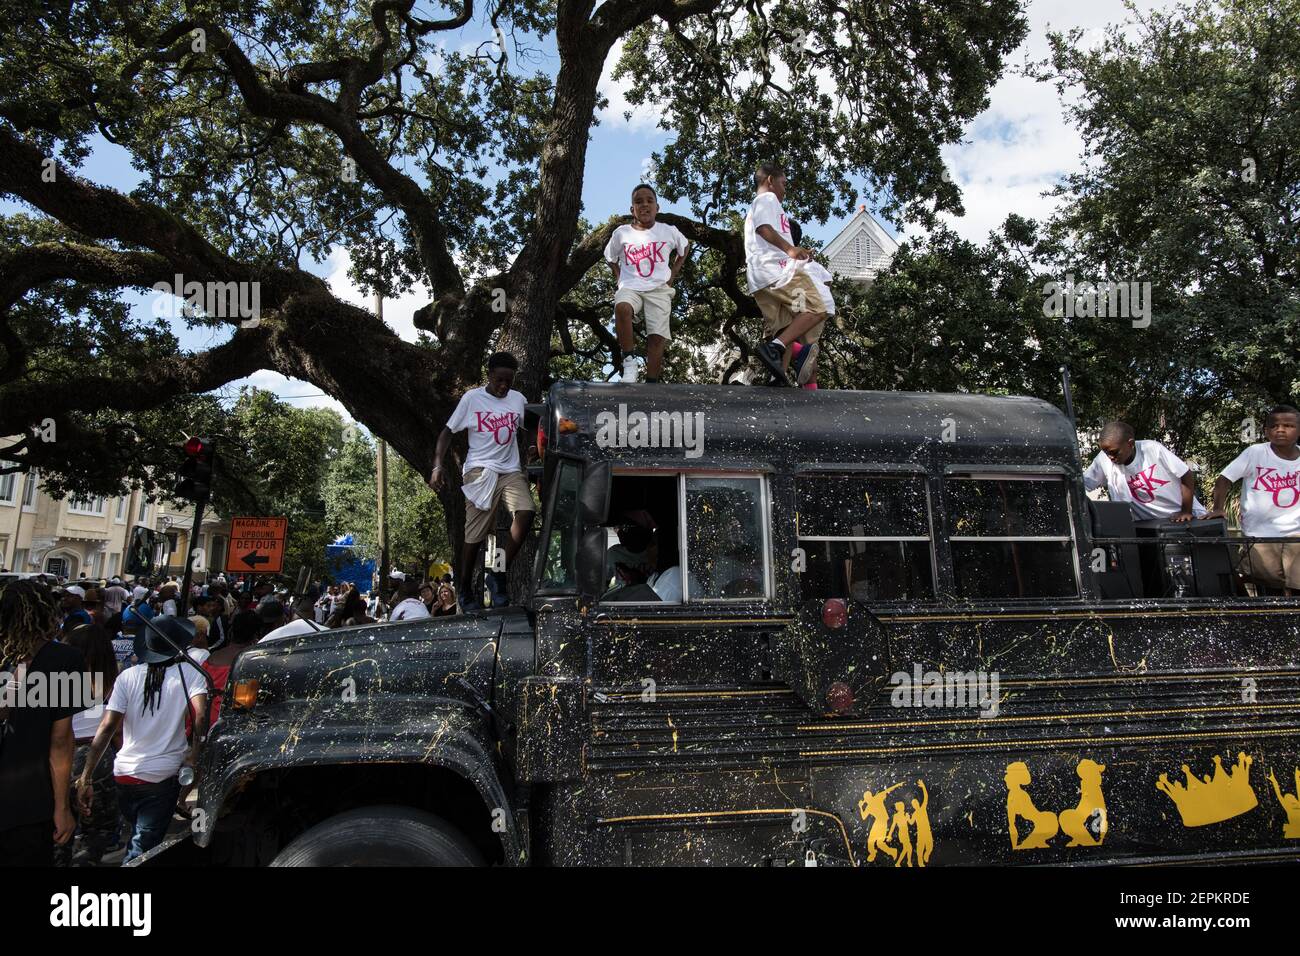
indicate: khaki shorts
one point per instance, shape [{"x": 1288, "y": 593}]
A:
[
  {"x": 655, "y": 305},
  {"x": 780, "y": 306},
  {"x": 512, "y": 488},
  {"x": 1277, "y": 565}
]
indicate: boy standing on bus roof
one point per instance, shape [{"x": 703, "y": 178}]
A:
[
  {"x": 793, "y": 309},
  {"x": 493, "y": 415},
  {"x": 1269, "y": 473},
  {"x": 638, "y": 254}
]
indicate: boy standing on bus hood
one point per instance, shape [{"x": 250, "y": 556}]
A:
[
  {"x": 638, "y": 254},
  {"x": 793, "y": 309},
  {"x": 493, "y": 415}
]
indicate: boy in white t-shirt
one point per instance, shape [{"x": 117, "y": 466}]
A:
[
  {"x": 493, "y": 416},
  {"x": 1270, "y": 499},
  {"x": 1154, "y": 481},
  {"x": 793, "y": 308},
  {"x": 639, "y": 253}
]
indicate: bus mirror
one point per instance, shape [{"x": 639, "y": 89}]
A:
[
  {"x": 591, "y": 565},
  {"x": 593, "y": 496}
]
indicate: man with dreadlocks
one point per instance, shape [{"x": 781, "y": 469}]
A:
[
  {"x": 150, "y": 702},
  {"x": 36, "y": 741}
]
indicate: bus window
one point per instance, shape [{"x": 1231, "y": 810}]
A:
[
  {"x": 865, "y": 537},
  {"x": 1010, "y": 536},
  {"x": 726, "y": 555}
]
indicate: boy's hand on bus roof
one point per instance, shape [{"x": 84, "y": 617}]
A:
[{"x": 1182, "y": 516}]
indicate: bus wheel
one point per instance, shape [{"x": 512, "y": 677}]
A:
[{"x": 380, "y": 836}]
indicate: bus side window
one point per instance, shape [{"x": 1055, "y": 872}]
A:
[
  {"x": 865, "y": 537},
  {"x": 1010, "y": 536}
]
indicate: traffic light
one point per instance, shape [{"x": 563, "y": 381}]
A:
[{"x": 196, "y": 471}]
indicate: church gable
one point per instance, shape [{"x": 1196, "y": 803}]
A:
[{"x": 861, "y": 250}]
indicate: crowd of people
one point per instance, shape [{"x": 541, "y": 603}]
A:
[{"x": 106, "y": 763}]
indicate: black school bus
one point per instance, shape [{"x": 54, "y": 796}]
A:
[{"x": 782, "y": 627}]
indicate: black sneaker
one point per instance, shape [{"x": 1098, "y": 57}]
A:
[
  {"x": 770, "y": 354},
  {"x": 802, "y": 367}
]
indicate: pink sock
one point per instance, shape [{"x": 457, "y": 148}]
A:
[{"x": 810, "y": 385}]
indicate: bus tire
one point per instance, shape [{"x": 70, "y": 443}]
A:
[{"x": 380, "y": 836}]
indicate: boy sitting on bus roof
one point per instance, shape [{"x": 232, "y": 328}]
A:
[
  {"x": 1154, "y": 481},
  {"x": 638, "y": 254},
  {"x": 793, "y": 308},
  {"x": 1269, "y": 473}
]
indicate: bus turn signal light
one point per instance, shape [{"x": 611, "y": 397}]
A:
[{"x": 245, "y": 695}]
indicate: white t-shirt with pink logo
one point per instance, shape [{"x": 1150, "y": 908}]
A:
[
  {"x": 1151, "y": 483},
  {"x": 492, "y": 424},
  {"x": 764, "y": 261},
  {"x": 1270, "y": 492},
  {"x": 642, "y": 254}
]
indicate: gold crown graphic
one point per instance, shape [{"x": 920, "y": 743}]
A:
[{"x": 1212, "y": 800}]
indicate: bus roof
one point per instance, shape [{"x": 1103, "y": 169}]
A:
[{"x": 721, "y": 426}]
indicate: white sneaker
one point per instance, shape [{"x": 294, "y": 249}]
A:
[{"x": 631, "y": 369}]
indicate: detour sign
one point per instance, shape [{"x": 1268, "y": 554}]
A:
[{"x": 257, "y": 545}]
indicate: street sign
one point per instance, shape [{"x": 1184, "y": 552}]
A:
[{"x": 257, "y": 545}]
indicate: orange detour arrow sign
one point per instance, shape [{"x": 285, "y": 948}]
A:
[{"x": 257, "y": 545}]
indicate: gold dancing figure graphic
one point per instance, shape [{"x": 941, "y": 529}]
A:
[
  {"x": 1212, "y": 800},
  {"x": 1021, "y": 805},
  {"x": 1291, "y": 804},
  {"x": 1074, "y": 823},
  {"x": 915, "y": 845}
]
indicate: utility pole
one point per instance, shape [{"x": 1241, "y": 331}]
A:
[{"x": 381, "y": 482}]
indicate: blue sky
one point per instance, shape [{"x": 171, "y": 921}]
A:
[{"x": 1017, "y": 149}]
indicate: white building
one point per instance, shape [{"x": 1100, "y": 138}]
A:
[
  {"x": 76, "y": 538},
  {"x": 861, "y": 250}
]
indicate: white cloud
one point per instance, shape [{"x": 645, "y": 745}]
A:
[
  {"x": 1022, "y": 145},
  {"x": 399, "y": 313},
  {"x": 644, "y": 118}
]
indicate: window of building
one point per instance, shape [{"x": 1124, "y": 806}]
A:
[
  {"x": 29, "y": 490},
  {"x": 114, "y": 564},
  {"x": 865, "y": 536},
  {"x": 120, "y": 517},
  {"x": 1011, "y": 536},
  {"x": 8, "y": 483},
  {"x": 87, "y": 506},
  {"x": 143, "y": 514}
]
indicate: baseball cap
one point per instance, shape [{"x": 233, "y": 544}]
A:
[
  {"x": 74, "y": 589},
  {"x": 398, "y": 575},
  {"x": 139, "y": 592}
]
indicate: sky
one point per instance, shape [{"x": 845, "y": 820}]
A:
[{"x": 1012, "y": 154}]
